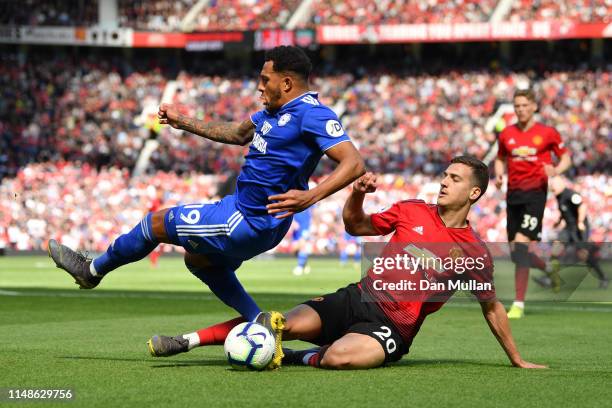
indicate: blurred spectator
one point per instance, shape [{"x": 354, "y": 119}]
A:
[
  {"x": 367, "y": 12},
  {"x": 574, "y": 10},
  {"x": 153, "y": 15},
  {"x": 228, "y": 15},
  {"x": 49, "y": 12}
]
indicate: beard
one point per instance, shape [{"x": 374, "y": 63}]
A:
[{"x": 274, "y": 98}]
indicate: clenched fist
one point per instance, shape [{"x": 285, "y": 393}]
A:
[
  {"x": 366, "y": 183},
  {"x": 168, "y": 114}
]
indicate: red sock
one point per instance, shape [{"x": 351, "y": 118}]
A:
[
  {"x": 521, "y": 278},
  {"x": 215, "y": 335},
  {"x": 315, "y": 359},
  {"x": 537, "y": 262}
]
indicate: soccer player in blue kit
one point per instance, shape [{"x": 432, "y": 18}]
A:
[{"x": 287, "y": 139}]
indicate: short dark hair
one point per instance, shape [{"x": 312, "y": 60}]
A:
[
  {"x": 290, "y": 59},
  {"x": 480, "y": 172},
  {"x": 527, "y": 93}
]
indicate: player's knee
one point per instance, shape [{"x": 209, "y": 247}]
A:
[{"x": 337, "y": 358}]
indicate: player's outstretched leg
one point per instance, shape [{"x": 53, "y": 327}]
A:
[
  {"x": 164, "y": 346},
  {"x": 75, "y": 263},
  {"x": 127, "y": 248},
  {"x": 134, "y": 245}
]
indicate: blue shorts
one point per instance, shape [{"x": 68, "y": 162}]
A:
[{"x": 220, "y": 229}]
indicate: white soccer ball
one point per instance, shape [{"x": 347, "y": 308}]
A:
[{"x": 249, "y": 346}]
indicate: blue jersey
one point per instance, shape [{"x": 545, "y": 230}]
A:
[{"x": 285, "y": 150}]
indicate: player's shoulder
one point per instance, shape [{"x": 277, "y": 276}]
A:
[
  {"x": 573, "y": 196},
  {"x": 415, "y": 204},
  {"x": 413, "y": 201},
  {"x": 317, "y": 112}
]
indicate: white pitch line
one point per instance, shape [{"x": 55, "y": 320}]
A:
[
  {"x": 9, "y": 293},
  {"x": 80, "y": 294}
]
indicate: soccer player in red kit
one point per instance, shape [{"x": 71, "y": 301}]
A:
[
  {"x": 525, "y": 150},
  {"x": 365, "y": 326}
]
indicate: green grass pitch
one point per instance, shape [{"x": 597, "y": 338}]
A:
[{"x": 53, "y": 335}]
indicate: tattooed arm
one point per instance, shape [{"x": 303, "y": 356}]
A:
[{"x": 223, "y": 132}]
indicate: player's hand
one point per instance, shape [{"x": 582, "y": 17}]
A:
[
  {"x": 499, "y": 181},
  {"x": 527, "y": 364},
  {"x": 168, "y": 115},
  {"x": 289, "y": 203},
  {"x": 581, "y": 226},
  {"x": 366, "y": 183},
  {"x": 550, "y": 170}
]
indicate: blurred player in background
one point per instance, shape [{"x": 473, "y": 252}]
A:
[
  {"x": 302, "y": 242},
  {"x": 573, "y": 240},
  {"x": 350, "y": 246},
  {"x": 525, "y": 150},
  {"x": 354, "y": 333},
  {"x": 287, "y": 139}
]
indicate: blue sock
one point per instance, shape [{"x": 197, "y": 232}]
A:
[
  {"x": 343, "y": 257},
  {"x": 226, "y": 286},
  {"x": 302, "y": 258},
  {"x": 130, "y": 247}
]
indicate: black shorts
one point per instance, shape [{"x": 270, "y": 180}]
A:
[
  {"x": 344, "y": 312},
  {"x": 525, "y": 211}
]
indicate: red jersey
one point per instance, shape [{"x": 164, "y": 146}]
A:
[
  {"x": 418, "y": 226},
  {"x": 526, "y": 153}
]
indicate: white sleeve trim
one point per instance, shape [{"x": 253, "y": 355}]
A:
[
  {"x": 252, "y": 121},
  {"x": 336, "y": 144}
]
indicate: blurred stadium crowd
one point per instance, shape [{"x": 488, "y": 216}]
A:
[
  {"x": 166, "y": 15},
  {"x": 87, "y": 208},
  {"x": 403, "y": 123}
]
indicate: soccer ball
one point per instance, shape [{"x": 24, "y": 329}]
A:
[{"x": 249, "y": 346}]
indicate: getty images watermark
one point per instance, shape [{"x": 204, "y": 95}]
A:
[{"x": 432, "y": 272}]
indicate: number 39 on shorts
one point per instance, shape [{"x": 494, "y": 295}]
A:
[{"x": 529, "y": 222}]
